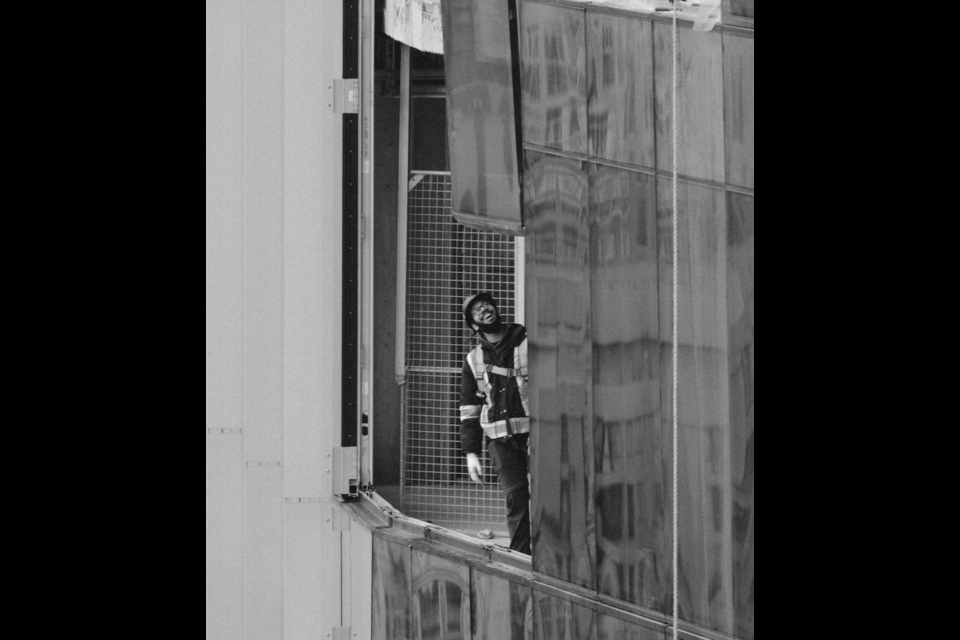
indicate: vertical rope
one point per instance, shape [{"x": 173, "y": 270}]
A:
[{"x": 676, "y": 324}]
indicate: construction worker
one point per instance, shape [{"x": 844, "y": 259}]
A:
[{"x": 493, "y": 409}]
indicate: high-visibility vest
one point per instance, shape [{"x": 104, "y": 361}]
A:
[{"x": 481, "y": 371}]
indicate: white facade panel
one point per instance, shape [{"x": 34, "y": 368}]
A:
[
  {"x": 262, "y": 553},
  {"x": 263, "y": 198},
  {"x": 313, "y": 254},
  {"x": 311, "y": 563},
  {"x": 224, "y": 220},
  {"x": 224, "y": 506},
  {"x": 273, "y": 318},
  {"x": 361, "y": 580}
]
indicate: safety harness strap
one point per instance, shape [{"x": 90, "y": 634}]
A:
[
  {"x": 500, "y": 371},
  {"x": 481, "y": 371},
  {"x": 480, "y": 368}
]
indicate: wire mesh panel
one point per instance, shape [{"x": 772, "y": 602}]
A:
[{"x": 446, "y": 262}]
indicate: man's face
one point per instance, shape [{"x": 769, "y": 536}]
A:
[{"x": 483, "y": 312}]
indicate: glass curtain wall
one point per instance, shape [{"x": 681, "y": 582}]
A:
[{"x": 597, "y": 108}]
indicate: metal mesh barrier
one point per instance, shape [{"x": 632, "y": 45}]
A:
[{"x": 446, "y": 262}]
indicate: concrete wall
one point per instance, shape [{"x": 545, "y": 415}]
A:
[{"x": 273, "y": 309}]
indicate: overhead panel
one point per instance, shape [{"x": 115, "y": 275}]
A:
[{"x": 481, "y": 68}]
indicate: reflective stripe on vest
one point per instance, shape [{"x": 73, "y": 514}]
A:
[
  {"x": 498, "y": 429},
  {"x": 481, "y": 371},
  {"x": 468, "y": 411}
]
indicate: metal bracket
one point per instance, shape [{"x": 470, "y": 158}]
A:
[
  {"x": 344, "y": 95},
  {"x": 346, "y": 477}
]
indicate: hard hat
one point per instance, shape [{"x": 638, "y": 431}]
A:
[{"x": 468, "y": 302}]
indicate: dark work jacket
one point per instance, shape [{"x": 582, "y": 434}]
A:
[{"x": 504, "y": 393}]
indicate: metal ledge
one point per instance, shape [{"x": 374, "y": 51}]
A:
[
  {"x": 378, "y": 516},
  {"x": 503, "y": 226}
]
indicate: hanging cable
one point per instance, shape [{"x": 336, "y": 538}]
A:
[{"x": 676, "y": 324}]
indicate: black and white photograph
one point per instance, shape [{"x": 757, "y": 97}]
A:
[{"x": 480, "y": 346}]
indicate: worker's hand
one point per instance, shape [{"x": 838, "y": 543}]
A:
[{"x": 475, "y": 468}]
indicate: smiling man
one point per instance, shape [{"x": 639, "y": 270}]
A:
[{"x": 493, "y": 409}]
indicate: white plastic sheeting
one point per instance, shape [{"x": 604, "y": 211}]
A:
[{"x": 416, "y": 23}]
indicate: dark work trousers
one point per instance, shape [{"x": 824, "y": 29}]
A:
[{"x": 512, "y": 462}]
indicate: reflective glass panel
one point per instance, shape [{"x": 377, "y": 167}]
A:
[
  {"x": 564, "y": 541},
  {"x": 558, "y": 619},
  {"x": 741, "y": 369},
  {"x": 633, "y": 553},
  {"x": 738, "y": 111},
  {"x": 612, "y": 628},
  {"x": 700, "y": 106},
  {"x": 481, "y": 114},
  {"x": 553, "y": 76},
  {"x": 705, "y": 438},
  {"x": 440, "y": 591},
  {"x": 742, "y": 8},
  {"x": 620, "y": 89},
  {"x": 391, "y": 597},
  {"x": 502, "y": 609},
  {"x": 599, "y": 304}
]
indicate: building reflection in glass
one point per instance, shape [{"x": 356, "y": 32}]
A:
[
  {"x": 599, "y": 316},
  {"x": 633, "y": 546},
  {"x": 502, "y": 609},
  {"x": 555, "y": 617},
  {"x": 620, "y": 124},
  {"x": 481, "y": 110},
  {"x": 391, "y": 595},
  {"x": 553, "y": 78},
  {"x": 558, "y": 289},
  {"x": 440, "y": 590}
]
